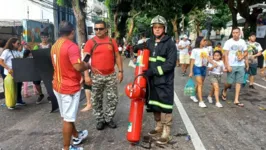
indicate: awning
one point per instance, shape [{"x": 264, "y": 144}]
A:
[
  {"x": 10, "y": 23},
  {"x": 240, "y": 22}
]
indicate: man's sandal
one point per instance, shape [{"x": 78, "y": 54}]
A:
[{"x": 223, "y": 96}]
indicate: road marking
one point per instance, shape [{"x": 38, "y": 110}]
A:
[
  {"x": 258, "y": 85},
  {"x": 197, "y": 143}
]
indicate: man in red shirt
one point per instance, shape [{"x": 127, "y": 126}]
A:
[
  {"x": 67, "y": 65},
  {"x": 104, "y": 55}
]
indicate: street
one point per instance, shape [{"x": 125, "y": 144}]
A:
[{"x": 32, "y": 127}]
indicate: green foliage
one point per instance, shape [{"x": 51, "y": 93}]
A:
[
  {"x": 60, "y": 2},
  {"x": 142, "y": 24},
  {"x": 65, "y": 3},
  {"x": 166, "y": 8},
  {"x": 197, "y": 18},
  {"x": 110, "y": 6},
  {"x": 221, "y": 17}
]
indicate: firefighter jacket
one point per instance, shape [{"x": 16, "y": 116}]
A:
[{"x": 162, "y": 62}]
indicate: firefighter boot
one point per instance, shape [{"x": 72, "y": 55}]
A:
[
  {"x": 167, "y": 122},
  {"x": 159, "y": 127}
]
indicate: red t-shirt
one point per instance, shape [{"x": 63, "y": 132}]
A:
[
  {"x": 102, "y": 60},
  {"x": 64, "y": 54}
]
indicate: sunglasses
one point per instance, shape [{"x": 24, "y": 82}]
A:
[
  {"x": 99, "y": 29},
  {"x": 44, "y": 37}
]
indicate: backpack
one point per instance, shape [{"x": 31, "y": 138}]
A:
[{"x": 97, "y": 44}]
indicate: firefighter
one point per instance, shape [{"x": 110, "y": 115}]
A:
[{"x": 160, "y": 74}]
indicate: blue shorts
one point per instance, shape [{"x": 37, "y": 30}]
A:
[{"x": 199, "y": 71}]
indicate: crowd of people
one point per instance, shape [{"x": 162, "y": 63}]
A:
[
  {"x": 100, "y": 77},
  {"x": 235, "y": 58},
  {"x": 14, "y": 48}
]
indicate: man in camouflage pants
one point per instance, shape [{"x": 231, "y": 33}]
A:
[
  {"x": 109, "y": 83},
  {"x": 104, "y": 55}
]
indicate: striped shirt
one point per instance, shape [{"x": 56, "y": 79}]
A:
[{"x": 64, "y": 55}]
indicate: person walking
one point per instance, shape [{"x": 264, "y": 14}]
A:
[
  {"x": 184, "y": 46},
  {"x": 254, "y": 51},
  {"x": 235, "y": 51},
  {"x": 198, "y": 68}
]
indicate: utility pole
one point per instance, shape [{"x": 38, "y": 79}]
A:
[
  {"x": 42, "y": 14},
  {"x": 28, "y": 12}
]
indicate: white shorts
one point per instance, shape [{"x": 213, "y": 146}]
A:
[
  {"x": 68, "y": 105},
  {"x": 184, "y": 59}
]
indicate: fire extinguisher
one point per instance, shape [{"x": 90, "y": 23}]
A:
[{"x": 136, "y": 91}]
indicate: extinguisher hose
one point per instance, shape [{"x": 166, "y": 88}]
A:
[{"x": 148, "y": 84}]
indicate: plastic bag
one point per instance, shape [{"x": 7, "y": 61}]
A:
[
  {"x": 131, "y": 64},
  {"x": 190, "y": 89},
  {"x": 10, "y": 91},
  {"x": 245, "y": 79}
]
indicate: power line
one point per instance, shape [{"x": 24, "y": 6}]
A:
[{"x": 51, "y": 5}]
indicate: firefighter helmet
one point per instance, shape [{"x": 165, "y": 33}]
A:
[{"x": 159, "y": 20}]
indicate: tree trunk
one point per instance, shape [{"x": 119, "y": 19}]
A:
[
  {"x": 175, "y": 26},
  {"x": 183, "y": 24},
  {"x": 116, "y": 24},
  {"x": 198, "y": 29},
  {"x": 130, "y": 31},
  {"x": 233, "y": 10},
  {"x": 80, "y": 21},
  {"x": 132, "y": 25}
]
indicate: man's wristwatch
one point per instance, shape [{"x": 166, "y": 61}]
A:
[{"x": 120, "y": 71}]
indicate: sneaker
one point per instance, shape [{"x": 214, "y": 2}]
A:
[
  {"x": 49, "y": 99},
  {"x": 71, "y": 147},
  {"x": 210, "y": 99},
  {"x": 40, "y": 98},
  {"x": 219, "y": 105},
  {"x": 20, "y": 103},
  {"x": 111, "y": 124},
  {"x": 183, "y": 74},
  {"x": 202, "y": 105},
  {"x": 264, "y": 79},
  {"x": 10, "y": 108},
  {"x": 194, "y": 99},
  {"x": 81, "y": 136},
  {"x": 100, "y": 125}
]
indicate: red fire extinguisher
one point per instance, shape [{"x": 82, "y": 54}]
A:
[{"x": 136, "y": 91}]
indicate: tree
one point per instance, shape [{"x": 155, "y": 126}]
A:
[
  {"x": 221, "y": 16},
  {"x": 198, "y": 18},
  {"x": 132, "y": 24},
  {"x": 118, "y": 12},
  {"x": 242, "y": 7},
  {"x": 78, "y": 7},
  {"x": 170, "y": 9}
]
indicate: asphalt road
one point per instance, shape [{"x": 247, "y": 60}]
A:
[{"x": 230, "y": 128}]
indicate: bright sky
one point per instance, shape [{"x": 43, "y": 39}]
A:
[{"x": 17, "y": 9}]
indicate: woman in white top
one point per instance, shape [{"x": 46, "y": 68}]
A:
[
  {"x": 2, "y": 45},
  {"x": 12, "y": 50},
  {"x": 199, "y": 59}
]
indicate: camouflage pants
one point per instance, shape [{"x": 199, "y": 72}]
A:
[{"x": 101, "y": 83}]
